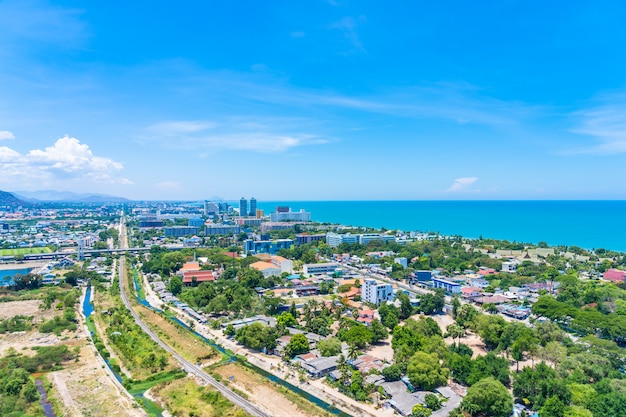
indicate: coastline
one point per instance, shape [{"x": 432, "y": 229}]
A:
[{"x": 589, "y": 224}]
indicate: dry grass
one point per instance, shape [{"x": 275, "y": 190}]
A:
[
  {"x": 259, "y": 390},
  {"x": 184, "y": 342},
  {"x": 186, "y": 398}
]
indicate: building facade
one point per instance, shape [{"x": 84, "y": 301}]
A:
[
  {"x": 266, "y": 246},
  {"x": 243, "y": 207},
  {"x": 449, "y": 286},
  {"x": 221, "y": 229},
  {"x": 252, "y": 211},
  {"x": 315, "y": 269},
  {"x": 197, "y": 222},
  {"x": 180, "y": 231},
  {"x": 335, "y": 239},
  {"x": 291, "y": 216},
  {"x": 376, "y": 293}
]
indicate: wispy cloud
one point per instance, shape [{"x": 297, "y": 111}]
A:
[
  {"x": 606, "y": 123},
  {"x": 5, "y": 134},
  {"x": 269, "y": 136},
  {"x": 462, "y": 184},
  {"x": 456, "y": 101},
  {"x": 67, "y": 159},
  {"x": 297, "y": 34},
  {"x": 38, "y": 22},
  {"x": 348, "y": 26}
]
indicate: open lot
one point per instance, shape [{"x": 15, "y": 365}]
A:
[
  {"x": 85, "y": 389},
  {"x": 81, "y": 388},
  {"x": 24, "y": 308},
  {"x": 266, "y": 394}
]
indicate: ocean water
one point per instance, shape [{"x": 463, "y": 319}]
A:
[{"x": 587, "y": 224}]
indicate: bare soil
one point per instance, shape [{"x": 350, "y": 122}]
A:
[
  {"x": 25, "y": 308},
  {"x": 259, "y": 391},
  {"x": 85, "y": 389}
]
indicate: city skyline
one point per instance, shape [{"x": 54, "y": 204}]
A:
[{"x": 326, "y": 100}]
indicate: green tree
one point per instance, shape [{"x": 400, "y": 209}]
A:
[
  {"x": 456, "y": 305},
  {"x": 553, "y": 407},
  {"x": 406, "y": 309},
  {"x": 425, "y": 371},
  {"x": 392, "y": 373},
  {"x": 285, "y": 319},
  {"x": 455, "y": 332},
  {"x": 358, "y": 335},
  {"x": 329, "y": 347},
  {"x": 175, "y": 285},
  {"x": 432, "y": 303},
  {"x": 379, "y": 332},
  {"x": 488, "y": 398},
  {"x": 229, "y": 330},
  {"x": 297, "y": 345},
  {"x": 432, "y": 401}
]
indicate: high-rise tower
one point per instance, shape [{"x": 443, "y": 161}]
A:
[
  {"x": 252, "y": 207},
  {"x": 243, "y": 207}
]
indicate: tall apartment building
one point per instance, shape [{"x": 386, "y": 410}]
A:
[
  {"x": 243, "y": 207},
  {"x": 252, "y": 212},
  {"x": 335, "y": 239},
  {"x": 376, "y": 293}
]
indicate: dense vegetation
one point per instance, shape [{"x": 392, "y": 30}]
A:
[{"x": 18, "y": 393}]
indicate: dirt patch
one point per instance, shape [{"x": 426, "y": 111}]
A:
[
  {"x": 23, "y": 341},
  {"x": 24, "y": 308},
  {"x": 473, "y": 341},
  {"x": 85, "y": 389},
  {"x": 260, "y": 391},
  {"x": 382, "y": 350}
]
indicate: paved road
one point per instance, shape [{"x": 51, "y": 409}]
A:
[{"x": 187, "y": 366}]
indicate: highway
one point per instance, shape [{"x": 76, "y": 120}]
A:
[{"x": 187, "y": 366}]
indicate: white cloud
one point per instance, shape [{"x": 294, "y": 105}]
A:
[
  {"x": 349, "y": 25},
  {"x": 5, "y": 134},
  {"x": 606, "y": 123},
  {"x": 66, "y": 160},
  {"x": 264, "y": 136},
  {"x": 297, "y": 34},
  {"x": 462, "y": 184},
  {"x": 181, "y": 126}
]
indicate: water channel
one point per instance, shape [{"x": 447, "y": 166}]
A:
[
  {"x": 48, "y": 410},
  {"x": 308, "y": 396}
]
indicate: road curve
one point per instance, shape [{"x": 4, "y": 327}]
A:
[{"x": 187, "y": 366}]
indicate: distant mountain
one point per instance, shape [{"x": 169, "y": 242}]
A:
[
  {"x": 8, "y": 199},
  {"x": 67, "y": 196}
]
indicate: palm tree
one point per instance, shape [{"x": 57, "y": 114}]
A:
[
  {"x": 344, "y": 369},
  {"x": 455, "y": 331},
  {"x": 353, "y": 351}
]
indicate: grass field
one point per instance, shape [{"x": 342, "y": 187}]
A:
[{"x": 23, "y": 251}]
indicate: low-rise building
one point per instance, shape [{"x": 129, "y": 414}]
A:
[
  {"x": 266, "y": 246},
  {"x": 321, "y": 367},
  {"x": 448, "y": 286},
  {"x": 316, "y": 269}
]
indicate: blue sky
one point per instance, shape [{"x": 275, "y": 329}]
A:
[{"x": 315, "y": 100}]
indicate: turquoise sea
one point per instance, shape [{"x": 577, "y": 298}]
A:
[{"x": 587, "y": 224}]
